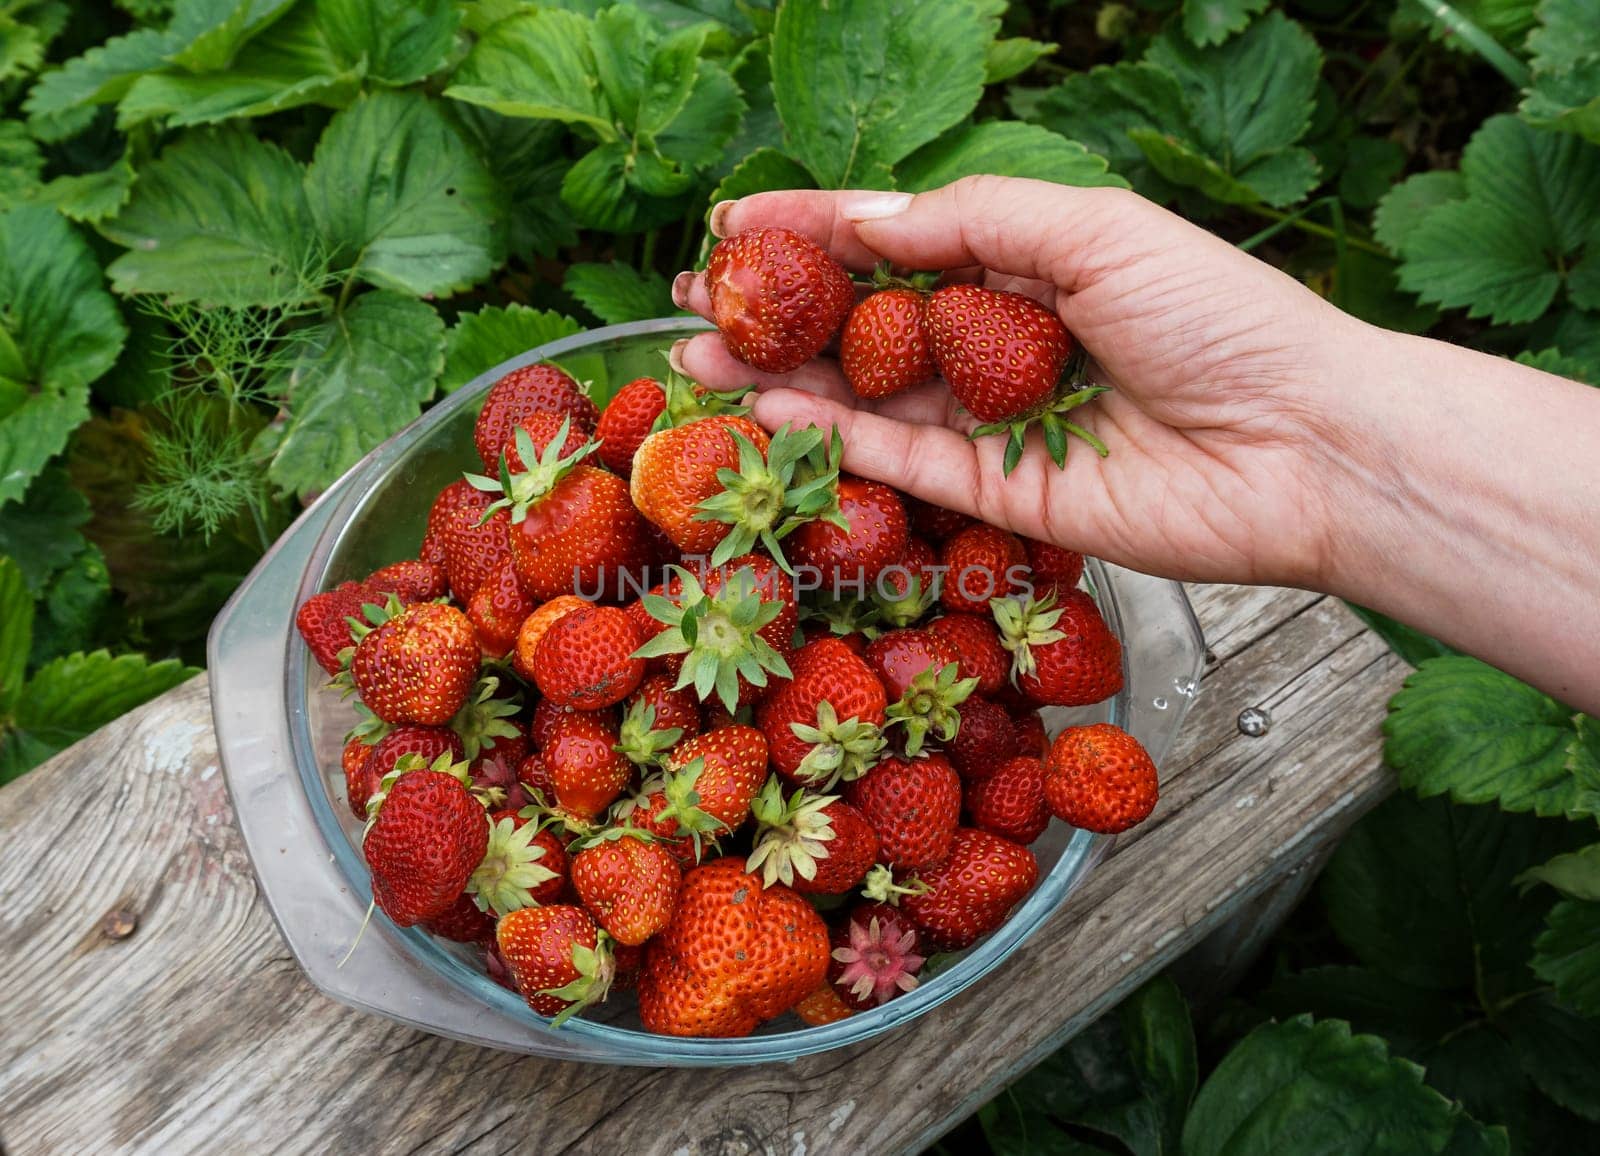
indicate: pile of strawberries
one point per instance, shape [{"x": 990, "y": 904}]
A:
[{"x": 669, "y": 703}]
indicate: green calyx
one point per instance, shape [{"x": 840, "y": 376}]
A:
[
  {"x": 914, "y": 602},
  {"x": 884, "y": 277},
  {"x": 611, "y": 835},
  {"x": 841, "y": 750},
  {"x": 511, "y": 868},
  {"x": 843, "y": 614},
  {"x": 596, "y": 968},
  {"x": 929, "y": 706},
  {"x": 794, "y": 834},
  {"x": 683, "y": 807},
  {"x": 719, "y": 637},
  {"x": 685, "y": 405},
  {"x": 880, "y": 887},
  {"x": 369, "y": 728},
  {"x": 484, "y": 719},
  {"x": 1024, "y": 625},
  {"x": 539, "y": 475},
  {"x": 373, "y": 615},
  {"x": 1050, "y": 416},
  {"x": 763, "y": 500},
  {"x": 405, "y": 764},
  {"x": 639, "y": 740}
]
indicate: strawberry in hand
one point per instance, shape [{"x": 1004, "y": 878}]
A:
[{"x": 777, "y": 296}]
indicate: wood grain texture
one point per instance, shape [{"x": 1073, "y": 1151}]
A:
[{"x": 196, "y": 1032}]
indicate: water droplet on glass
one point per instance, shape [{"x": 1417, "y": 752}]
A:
[
  {"x": 1159, "y": 703},
  {"x": 1185, "y": 686},
  {"x": 1255, "y": 721}
]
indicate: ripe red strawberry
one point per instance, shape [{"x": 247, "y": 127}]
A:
[
  {"x": 913, "y": 805},
  {"x": 586, "y": 773},
  {"x": 534, "y": 777},
  {"x": 823, "y": 1006},
  {"x": 816, "y": 844},
  {"x": 981, "y": 563},
  {"x": 418, "y": 664},
  {"x": 644, "y": 740},
  {"x": 409, "y": 581},
  {"x": 544, "y": 430},
  {"x": 676, "y": 470},
  {"x": 825, "y": 725},
  {"x": 935, "y": 523},
  {"x": 559, "y": 960},
  {"x": 545, "y": 848},
  {"x": 1100, "y": 779},
  {"x": 1031, "y": 735},
  {"x": 672, "y": 707},
  {"x": 323, "y": 622},
  {"x": 629, "y": 962},
  {"x": 1001, "y": 353},
  {"x": 876, "y": 956},
  {"x": 1063, "y": 655},
  {"x": 532, "y": 631},
  {"x": 474, "y": 548},
  {"x": 427, "y": 743},
  {"x": 986, "y": 739},
  {"x": 1054, "y": 568},
  {"x": 497, "y": 609},
  {"x": 461, "y": 922},
  {"x": 628, "y": 420},
  {"x": 520, "y": 394},
  {"x": 519, "y": 866},
  {"x": 351, "y": 759},
  {"x": 735, "y": 954},
  {"x": 906, "y": 590},
  {"x": 628, "y": 882},
  {"x": 426, "y": 837},
  {"x": 1010, "y": 802},
  {"x": 585, "y": 659},
  {"x": 457, "y": 493},
  {"x": 973, "y": 890},
  {"x": 977, "y": 642},
  {"x": 732, "y": 767},
  {"x": 854, "y": 555},
  {"x": 777, "y": 296},
  {"x": 921, "y": 675},
  {"x": 884, "y": 347}
]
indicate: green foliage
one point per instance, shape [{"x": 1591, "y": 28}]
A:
[{"x": 479, "y": 341}]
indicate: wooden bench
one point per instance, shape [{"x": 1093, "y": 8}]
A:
[{"x": 148, "y": 1004}]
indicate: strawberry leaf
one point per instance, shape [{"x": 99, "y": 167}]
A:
[
  {"x": 58, "y": 106},
  {"x": 615, "y": 292},
  {"x": 1567, "y": 955},
  {"x": 1411, "y": 202},
  {"x": 212, "y": 31},
  {"x": 536, "y": 64},
  {"x": 529, "y": 164},
  {"x": 1207, "y": 22},
  {"x": 1556, "y": 1049},
  {"x": 861, "y": 84},
  {"x": 1005, "y": 148},
  {"x": 1575, "y": 874},
  {"x": 762, "y": 171},
  {"x": 16, "y": 632},
  {"x": 21, "y": 162},
  {"x": 400, "y": 41},
  {"x": 1565, "y": 92},
  {"x": 479, "y": 341}
]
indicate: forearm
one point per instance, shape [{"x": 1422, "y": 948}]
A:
[{"x": 1468, "y": 506}]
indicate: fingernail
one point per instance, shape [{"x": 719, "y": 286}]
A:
[
  {"x": 719, "y": 218},
  {"x": 873, "y": 206},
  {"x": 675, "y": 356},
  {"x": 680, "y": 288}
]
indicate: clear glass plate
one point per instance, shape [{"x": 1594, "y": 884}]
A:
[{"x": 280, "y": 740}]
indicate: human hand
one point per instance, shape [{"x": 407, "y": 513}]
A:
[{"x": 1225, "y": 462}]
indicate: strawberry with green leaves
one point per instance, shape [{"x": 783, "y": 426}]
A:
[
  {"x": 1100, "y": 778},
  {"x": 519, "y": 867},
  {"x": 817, "y": 844},
  {"x": 921, "y": 675},
  {"x": 323, "y": 621},
  {"x": 907, "y": 590},
  {"x": 425, "y": 837},
  {"x": 558, "y": 957},
  {"x": 861, "y": 532},
  {"x": 628, "y": 882},
  {"x": 642, "y": 740},
  {"x": 415, "y": 664},
  {"x": 776, "y": 296},
  {"x": 427, "y": 743},
  {"x": 586, "y": 660},
  {"x": 520, "y": 394},
  {"x": 986, "y": 739},
  {"x": 913, "y": 805},
  {"x": 970, "y": 892},
  {"x": 825, "y": 725},
  {"x": 1063, "y": 653},
  {"x": 706, "y": 790}
]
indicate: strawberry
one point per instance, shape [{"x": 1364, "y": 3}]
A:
[
  {"x": 825, "y": 725},
  {"x": 487, "y": 720},
  {"x": 475, "y": 540},
  {"x": 876, "y": 956},
  {"x": 1063, "y": 655},
  {"x": 497, "y": 609},
  {"x": 352, "y": 758},
  {"x": 1100, "y": 779},
  {"x": 428, "y": 743},
  {"x": 571, "y": 526},
  {"x": 544, "y": 430},
  {"x": 409, "y": 581},
  {"x": 981, "y": 563},
  {"x": 872, "y": 537},
  {"x": 585, "y": 771},
  {"x": 905, "y": 591},
  {"x": 985, "y": 740},
  {"x": 730, "y": 636},
  {"x": 1031, "y": 735},
  {"x": 816, "y": 844},
  {"x": 1054, "y": 568},
  {"x": 554, "y": 858},
  {"x": 673, "y": 707},
  {"x": 628, "y": 882},
  {"x": 426, "y": 836},
  {"x": 973, "y": 890},
  {"x": 725, "y": 767},
  {"x": 532, "y": 631},
  {"x": 585, "y": 659},
  {"x": 719, "y": 485},
  {"x": 643, "y": 740},
  {"x": 461, "y": 922},
  {"x": 533, "y": 775},
  {"x": 1010, "y": 802},
  {"x": 884, "y": 346},
  {"x": 628, "y": 962},
  {"x": 1005, "y": 357},
  {"x": 823, "y": 1006},
  {"x": 935, "y": 523},
  {"x": 628, "y": 420},
  {"x": 735, "y": 955},
  {"x": 977, "y": 643},
  {"x": 558, "y": 958},
  {"x": 520, "y": 394},
  {"x": 913, "y": 805},
  {"x": 416, "y": 663},
  {"x": 517, "y": 868},
  {"x": 777, "y": 297},
  {"x": 323, "y": 623},
  {"x": 921, "y": 675}
]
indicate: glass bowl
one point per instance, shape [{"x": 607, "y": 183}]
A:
[{"x": 280, "y": 739}]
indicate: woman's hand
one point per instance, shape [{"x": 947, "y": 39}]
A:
[{"x": 1222, "y": 464}]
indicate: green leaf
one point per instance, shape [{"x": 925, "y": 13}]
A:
[
  {"x": 1556, "y": 1048},
  {"x": 1155, "y": 1023},
  {"x": 1012, "y": 56},
  {"x": 21, "y": 164},
  {"x": 1565, "y": 93},
  {"x": 1409, "y": 1017},
  {"x": 1371, "y": 166},
  {"x": 617, "y": 292},
  {"x": 762, "y": 171},
  {"x": 360, "y": 377},
  {"x": 1308, "y": 1087},
  {"x": 539, "y": 64},
  {"x": 1567, "y": 955},
  {"x": 1411, "y": 202},
  {"x": 72, "y": 607},
  {"x": 1474, "y": 1064},
  {"x": 1409, "y": 643},
  {"x": 41, "y": 532},
  {"x": 401, "y": 41},
  {"x": 598, "y": 191},
  {"x": 707, "y": 121},
  {"x": 91, "y": 197},
  {"x": 100, "y": 76},
  {"x": 220, "y": 218},
  {"x": 59, "y": 331},
  {"x": 16, "y": 632},
  {"x": 401, "y": 200},
  {"x": 479, "y": 341},
  {"x": 1558, "y": 363},
  {"x": 1499, "y": 252},
  {"x": 1459, "y": 726},
  {"x": 861, "y": 84},
  {"x": 1005, "y": 148},
  {"x": 526, "y": 159},
  {"x": 70, "y": 697},
  {"x": 1213, "y": 21},
  {"x": 210, "y": 32},
  {"x": 1576, "y": 874}
]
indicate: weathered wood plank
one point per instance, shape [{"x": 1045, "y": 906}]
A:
[{"x": 196, "y": 1033}]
